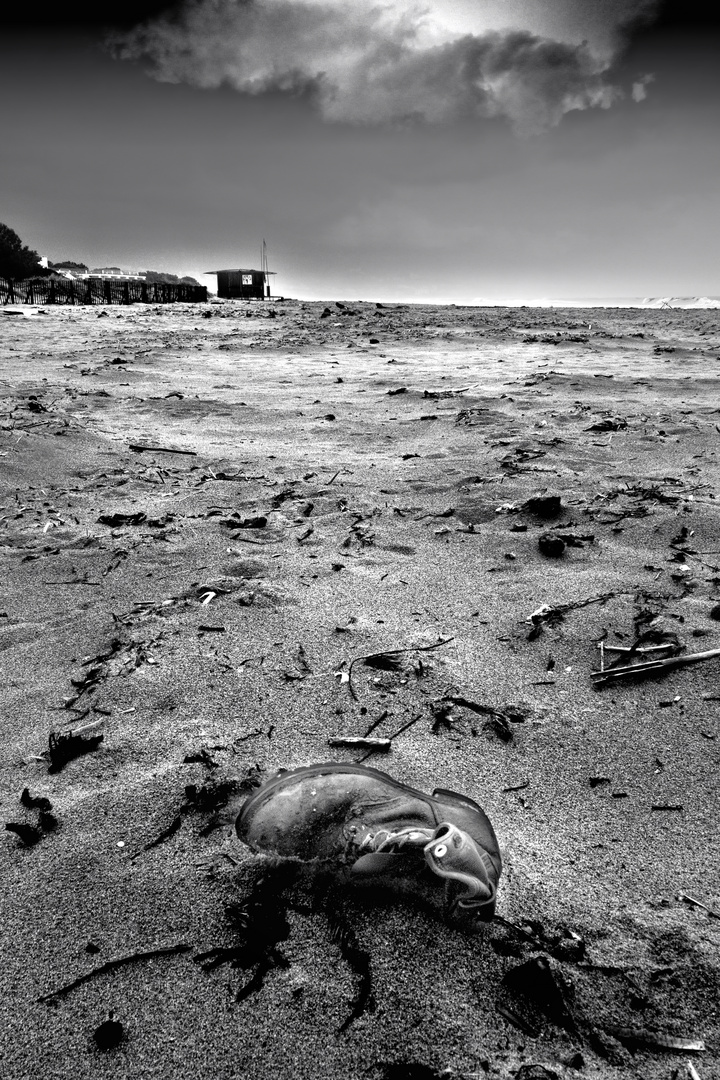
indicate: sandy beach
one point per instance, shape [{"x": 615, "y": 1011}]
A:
[{"x": 331, "y": 481}]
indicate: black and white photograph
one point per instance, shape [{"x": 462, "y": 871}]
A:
[{"x": 360, "y": 540}]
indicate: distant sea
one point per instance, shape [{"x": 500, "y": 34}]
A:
[{"x": 629, "y": 301}]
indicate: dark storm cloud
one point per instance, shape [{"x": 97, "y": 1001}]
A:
[
  {"x": 396, "y": 61},
  {"x": 37, "y": 14}
]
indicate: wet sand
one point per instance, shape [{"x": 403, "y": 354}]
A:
[{"x": 390, "y": 451}]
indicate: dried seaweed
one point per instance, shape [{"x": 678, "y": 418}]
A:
[
  {"x": 261, "y": 923},
  {"x": 540, "y": 983},
  {"x": 499, "y": 720},
  {"x": 65, "y": 746},
  {"x": 27, "y": 833},
  {"x": 112, "y": 965},
  {"x": 35, "y": 802},
  {"x": 358, "y": 960},
  {"x": 378, "y": 659}
]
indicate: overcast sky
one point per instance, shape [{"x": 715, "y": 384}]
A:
[{"x": 445, "y": 150}]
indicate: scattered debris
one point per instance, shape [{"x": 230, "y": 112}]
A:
[
  {"x": 382, "y": 660},
  {"x": 65, "y": 746},
  {"x": 499, "y": 720},
  {"x": 552, "y": 615}
]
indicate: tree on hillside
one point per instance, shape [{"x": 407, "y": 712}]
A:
[
  {"x": 17, "y": 260},
  {"x": 169, "y": 279},
  {"x": 67, "y": 264}
]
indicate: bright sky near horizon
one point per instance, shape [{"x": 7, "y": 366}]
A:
[{"x": 444, "y": 151}]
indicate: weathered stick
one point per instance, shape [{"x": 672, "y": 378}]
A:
[
  {"x": 640, "y": 648},
  {"x": 111, "y": 965},
  {"x": 653, "y": 665}
]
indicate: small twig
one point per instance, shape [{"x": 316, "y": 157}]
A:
[
  {"x": 112, "y": 965},
  {"x": 409, "y": 724},
  {"x": 376, "y": 723},
  {"x": 139, "y": 448},
  {"x": 683, "y": 897},
  {"x": 74, "y": 581},
  {"x": 395, "y": 734},
  {"x": 172, "y": 828},
  {"x": 249, "y": 540},
  {"x": 653, "y": 665}
]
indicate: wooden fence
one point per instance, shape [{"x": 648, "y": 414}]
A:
[{"x": 98, "y": 291}]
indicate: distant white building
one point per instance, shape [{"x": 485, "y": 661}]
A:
[
  {"x": 114, "y": 273},
  {"x": 103, "y": 273}
]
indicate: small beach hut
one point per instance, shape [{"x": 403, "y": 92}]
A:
[{"x": 242, "y": 284}]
